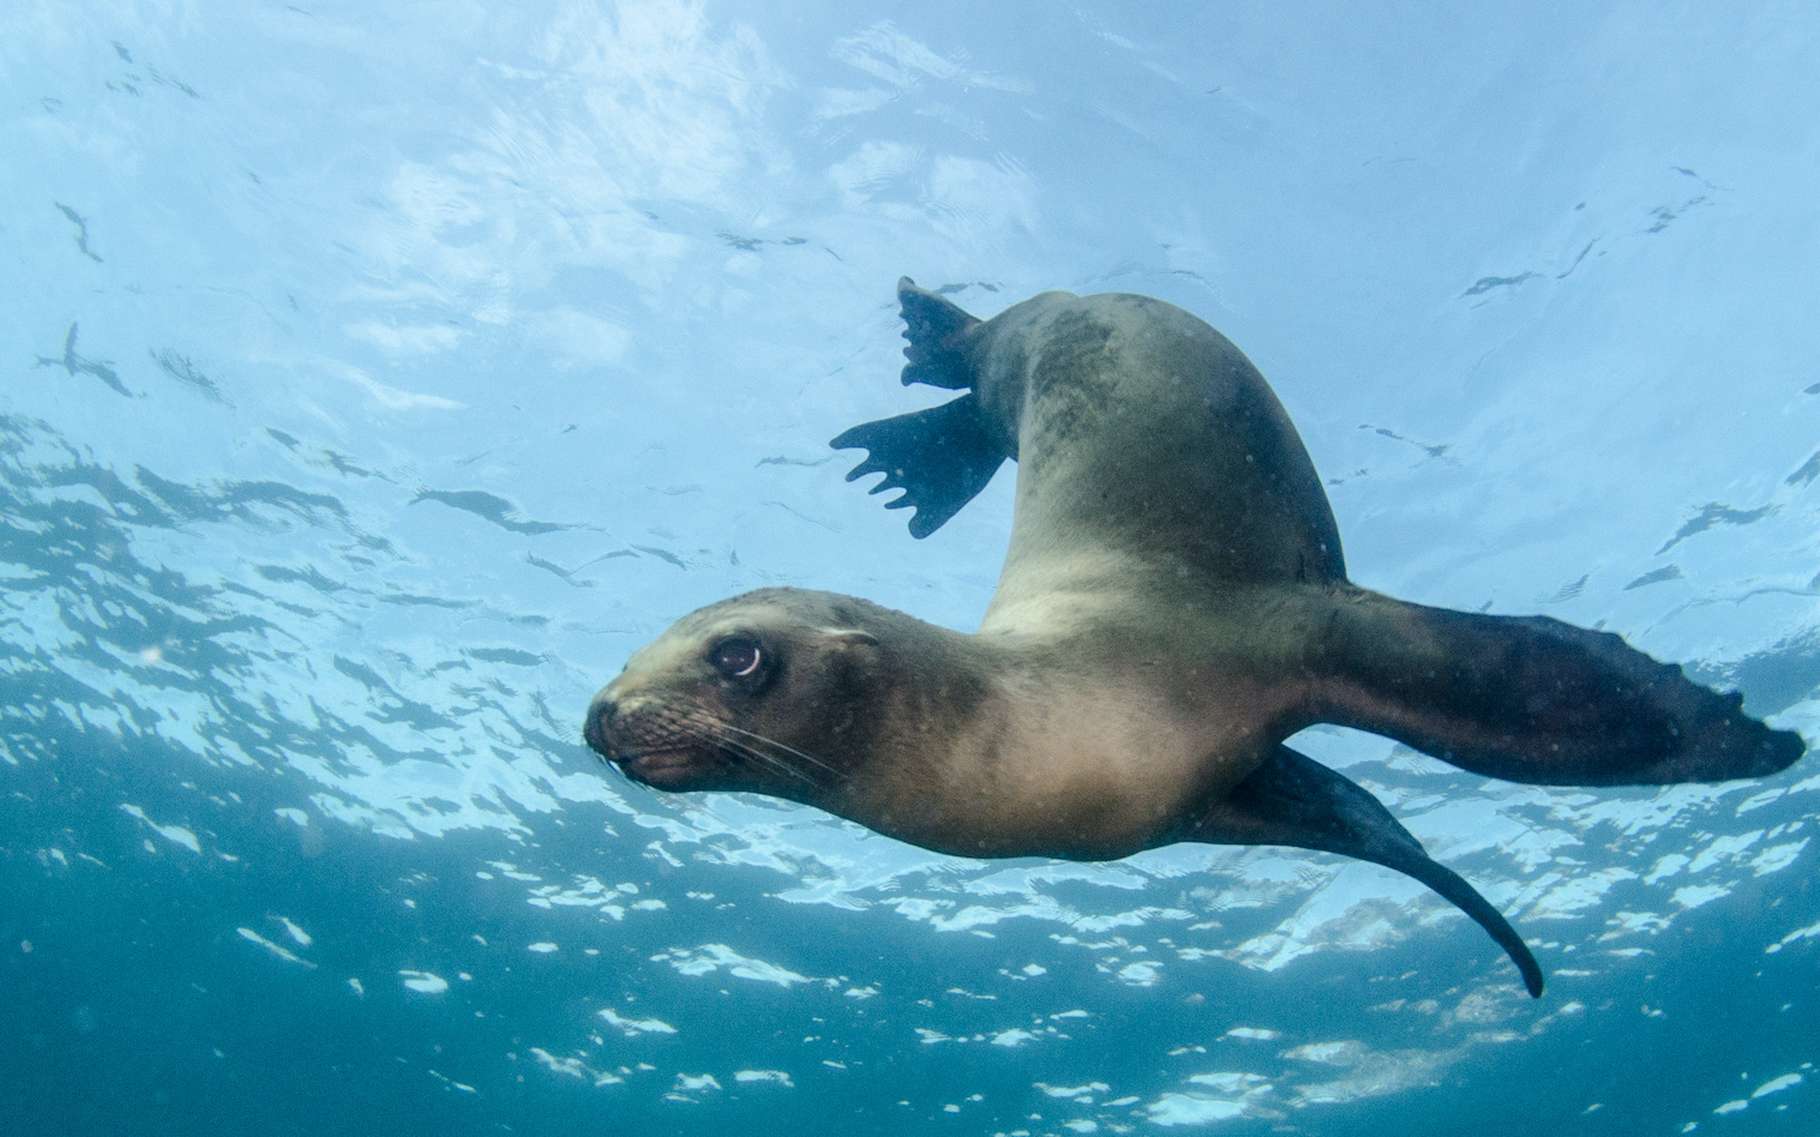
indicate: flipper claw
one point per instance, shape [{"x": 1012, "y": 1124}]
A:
[
  {"x": 938, "y": 334},
  {"x": 940, "y": 458}
]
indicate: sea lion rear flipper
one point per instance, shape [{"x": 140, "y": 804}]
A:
[
  {"x": 1531, "y": 699},
  {"x": 940, "y": 458},
  {"x": 1293, "y": 800},
  {"x": 937, "y": 331}
]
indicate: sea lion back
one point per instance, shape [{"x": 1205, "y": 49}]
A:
[
  {"x": 1142, "y": 429},
  {"x": 1141, "y": 434}
]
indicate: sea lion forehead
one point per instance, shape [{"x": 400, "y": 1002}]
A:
[
  {"x": 761, "y": 609},
  {"x": 764, "y": 613}
]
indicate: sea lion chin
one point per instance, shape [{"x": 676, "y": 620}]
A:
[{"x": 1173, "y": 605}]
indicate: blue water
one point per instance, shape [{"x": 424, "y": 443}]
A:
[{"x": 375, "y": 378}]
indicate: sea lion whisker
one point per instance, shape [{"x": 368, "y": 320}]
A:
[
  {"x": 776, "y": 761},
  {"x": 810, "y": 758},
  {"x": 712, "y": 736},
  {"x": 706, "y": 733},
  {"x": 771, "y": 760}
]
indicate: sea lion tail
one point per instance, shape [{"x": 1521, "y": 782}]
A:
[
  {"x": 1293, "y": 800},
  {"x": 941, "y": 458},
  {"x": 1531, "y": 699},
  {"x": 938, "y": 334}
]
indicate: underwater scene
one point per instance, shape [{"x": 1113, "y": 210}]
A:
[{"x": 393, "y": 395}]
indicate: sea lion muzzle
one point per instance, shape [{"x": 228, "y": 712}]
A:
[{"x": 595, "y": 727}]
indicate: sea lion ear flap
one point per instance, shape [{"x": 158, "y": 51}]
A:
[
  {"x": 849, "y": 637},
  {"x": 937, "y": 331}
]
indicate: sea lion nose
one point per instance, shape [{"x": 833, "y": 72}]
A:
[{"x": 599, "y": 725}]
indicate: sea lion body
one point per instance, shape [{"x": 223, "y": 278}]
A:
[
  {"x": 1173, "y": 605},
  {"x": 1160, "y": 483}
]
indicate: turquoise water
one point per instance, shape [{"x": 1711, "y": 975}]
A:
[{"x": 375, "y": 378}]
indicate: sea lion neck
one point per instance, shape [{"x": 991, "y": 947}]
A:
[{"x": 936, "y": 674}]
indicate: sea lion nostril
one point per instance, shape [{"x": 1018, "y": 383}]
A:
[{"x": 599, "y": 724}]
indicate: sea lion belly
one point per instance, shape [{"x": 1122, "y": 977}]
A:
[{"x": 1082, "y": 767}]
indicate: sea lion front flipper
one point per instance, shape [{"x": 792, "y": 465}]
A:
[
  {"x": 937, "y": 331},
  {"x": 1293, "y": 800},
  {"x": 1531, "y": 699},
  {"x": 940, "y": 458}
]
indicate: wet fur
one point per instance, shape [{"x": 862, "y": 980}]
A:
[{"x": 1173, "y": 605}]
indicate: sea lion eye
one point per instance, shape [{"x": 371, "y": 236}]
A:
[{"x": 737, "y": 657}]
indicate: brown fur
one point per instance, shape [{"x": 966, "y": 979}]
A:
[{"x": 1173, "y": 605}]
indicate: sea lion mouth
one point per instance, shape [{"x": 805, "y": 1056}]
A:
[{"x": 658, "y": 767}]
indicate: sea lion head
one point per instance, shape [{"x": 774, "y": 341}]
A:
[{"x": 766, "y": 692}]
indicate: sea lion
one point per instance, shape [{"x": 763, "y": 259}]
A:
[{"x": 1173, "y": 605}]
